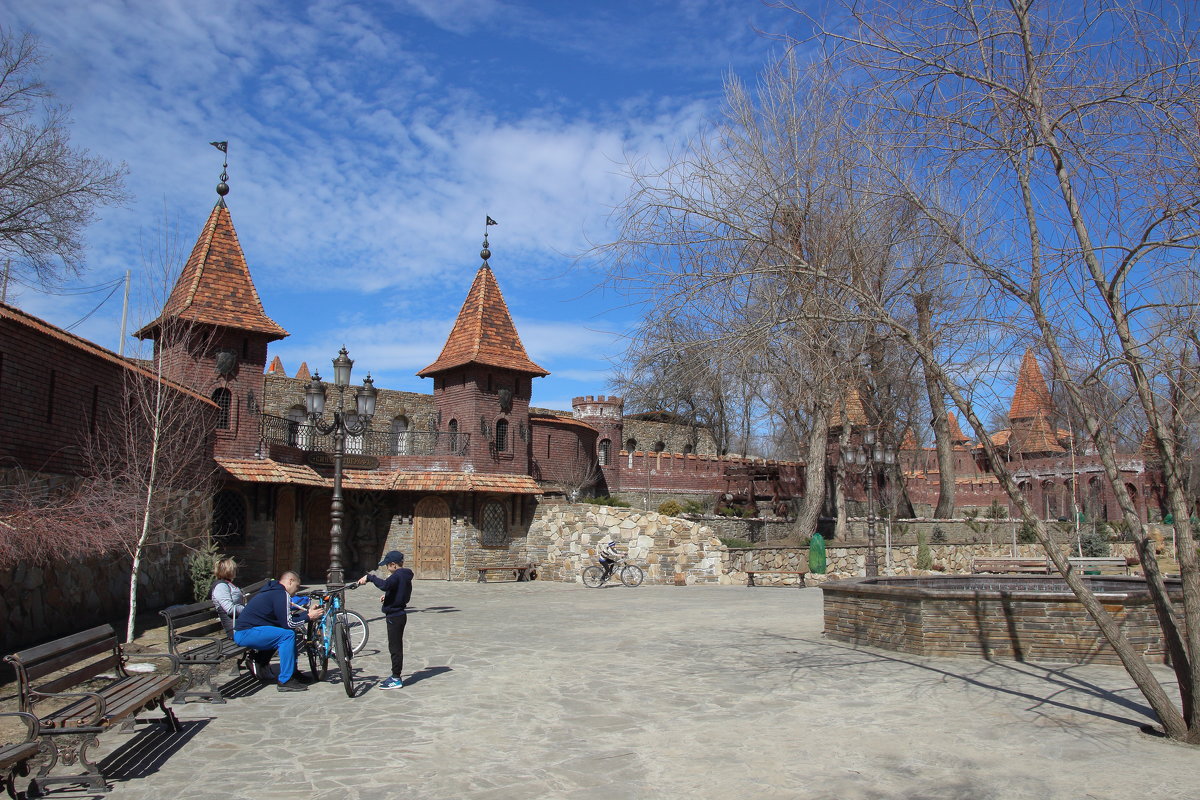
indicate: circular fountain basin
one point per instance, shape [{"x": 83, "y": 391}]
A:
[{"x": 1007, "y": 617}]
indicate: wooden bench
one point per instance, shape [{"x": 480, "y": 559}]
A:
[
  {"x": 521, "y": 572},
  {"x": 1114, "y": 565},
  {"x": 799, "y": 573},
  {"x": 1034, "y": 566},
  {"x": 197, "y": 636},
  {"x": 15, "y": 757},
  {"x": 77, "y": 688}
]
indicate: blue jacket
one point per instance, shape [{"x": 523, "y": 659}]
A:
[
  {"x": 268, "y": 607},
  {"x": 397, "y": 590}
]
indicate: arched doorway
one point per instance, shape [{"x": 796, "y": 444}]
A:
[{"x": 431, "y": 539}]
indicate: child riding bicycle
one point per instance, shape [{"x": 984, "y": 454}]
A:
[{"x": 612, "y": 553}]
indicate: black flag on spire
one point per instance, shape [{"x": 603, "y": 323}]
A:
[
  {"x": 222, "y": 146},
  {"x": 491, "y": 221}
]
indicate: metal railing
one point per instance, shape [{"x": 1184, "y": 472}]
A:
[{"x": 279, "y": 430}]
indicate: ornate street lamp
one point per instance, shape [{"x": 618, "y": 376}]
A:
[
  {"x": 863, "y": 461},
  {"x": 364, "y": 400}
]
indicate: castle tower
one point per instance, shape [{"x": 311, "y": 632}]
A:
[
  {"x": 212, "y": 334},
  {"x": 1031, "y": 415},
  {"x": 607, "y": 416},
  {"x": 483, "y": 380}
]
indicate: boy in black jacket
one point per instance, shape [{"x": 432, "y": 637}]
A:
[{"x": 397, "y": 589}]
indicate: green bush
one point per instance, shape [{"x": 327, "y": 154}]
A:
[
  {"x": 924, "y": 555},
  {"x": 1027, "y": 533},
  {"x": 938, "y": 536},
  {"x": 997, "y": 511},
  {"x": 670, "y": 509},
  {"x": 694, "y": 507},
  {"x": 1094, "y": 543},
  {"x": 733, "y": 542},
  {"x": 614, "y": 502},
  {"x": 200, "y": 566}
]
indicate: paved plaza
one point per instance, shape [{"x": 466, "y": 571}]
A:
[{"x": 548, "y": 690}]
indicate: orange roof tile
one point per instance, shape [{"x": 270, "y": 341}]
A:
[
  {"x": 956, "y": 434},
  {"x": 139, "y": 366},
  {"x": 855, "y": 414},
  {"x": 269, "y": 471},
  {"x": 909, "y": 442},
  {"x": 215, "y": 287},
  {"x": 276, "y": 367},
  {"x": 302, "y": 374},
  {"x": 484, "y": 333},
  {"x": 1031, "y": 396}
]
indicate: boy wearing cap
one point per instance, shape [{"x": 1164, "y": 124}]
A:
[{"x": 397, "y": 589}]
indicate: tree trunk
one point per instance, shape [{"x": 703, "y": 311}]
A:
[
  {"x": 814, "y": 479},
  {"x": 937, "y": 408}
]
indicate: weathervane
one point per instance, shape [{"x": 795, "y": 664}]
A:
[
  {"x": 223, "y": 187},
  {"x": 485, "y": 253}
]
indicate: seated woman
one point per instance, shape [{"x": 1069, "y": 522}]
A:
[
  {"x": 229, "y": 601},
  {"x": 227, "y": 598}
]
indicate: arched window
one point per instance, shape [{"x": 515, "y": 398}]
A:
[
  {"x": 400, "y": 438},
  {"x": 631, "y": 445},
  {"x": 687, "y": 449},
  {"x": 501, "y": 435},
  {"x": 224, "y": 401},
  {"x": 452, "y": 428},
  {"x": 605, "y": 444},
  {"x": 229, "y": 517},
  {"x": 493, "y": 530},
  {"x": 660, "y": 446}
]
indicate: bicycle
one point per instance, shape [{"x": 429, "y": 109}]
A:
[
  {"x": 630, "y": 574},
  {"x": 329, "y": 635}
]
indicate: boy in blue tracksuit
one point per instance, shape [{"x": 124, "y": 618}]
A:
[{"x": 397, "y": 589}]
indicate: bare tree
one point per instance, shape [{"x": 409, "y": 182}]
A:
[
  {"x": 49, "y": 190},
  {"x": 1053, "y": 154}
]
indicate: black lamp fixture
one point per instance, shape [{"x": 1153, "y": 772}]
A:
[
  {"x": 863, "y": 460},
  {"x": 364, "y": 400}
]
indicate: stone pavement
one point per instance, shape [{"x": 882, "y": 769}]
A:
[{"x": 546, "y": 690}]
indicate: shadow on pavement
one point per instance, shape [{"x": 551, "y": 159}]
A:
[
  {"x": 423, "y": 674},
  {"x": 148, "y": 750},
  {"x": 1057, "y": 680}
]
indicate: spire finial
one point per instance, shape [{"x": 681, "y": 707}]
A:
[
  {"x": 485, "y": 253},
  {"x": 223, "y": 187}
]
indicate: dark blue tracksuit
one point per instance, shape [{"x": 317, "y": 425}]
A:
[{"x": 397, "y": 589}]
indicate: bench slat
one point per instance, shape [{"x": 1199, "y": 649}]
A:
[{"x": 86, "y": 672}]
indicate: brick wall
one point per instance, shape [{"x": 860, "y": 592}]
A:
[
  {"x": 563, "y": 452},
  {"x": 1002, "y": 618}
]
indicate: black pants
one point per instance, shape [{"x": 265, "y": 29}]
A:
[{"x": 395, "y": 628}]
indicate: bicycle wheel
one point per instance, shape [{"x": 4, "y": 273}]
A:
[
  {"x": 593, "y": 577},
  {"x": 341, "y": 644},
  {"x": 356, "y": 626},
  {"x": 632, "y": 575},
  {"x": 310, "y": 647}
]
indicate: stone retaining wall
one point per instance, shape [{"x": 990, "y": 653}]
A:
[
  {"x": 40, "y": 603},
  {"x": 563, "y": 539}
]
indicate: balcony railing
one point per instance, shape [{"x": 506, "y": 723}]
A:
[{"x": 278, "y": 430}]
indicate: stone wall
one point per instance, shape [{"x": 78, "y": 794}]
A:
[
  {"x": 40, "y": 603},
  {"x": 848, "y": 561},
  {"x": 563, "y": 540}
]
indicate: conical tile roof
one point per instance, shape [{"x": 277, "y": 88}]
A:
[
  {"x": 1032, "y": 395},
  {"x": 1035, "y": 436},
  {"x": 276, "y": 367},
  {"x": 215, "y": 287},
  {"x": 484, "y": 333},
  {"x": 302, "y": 374},
  {"x": 956, "y": 434}
]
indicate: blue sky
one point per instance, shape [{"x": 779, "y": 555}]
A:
[{"x": 367, "y": 143}]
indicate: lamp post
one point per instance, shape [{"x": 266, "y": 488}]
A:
[
  {"x": 364, "y": 400},
  {"x": 863, "y": 460}
]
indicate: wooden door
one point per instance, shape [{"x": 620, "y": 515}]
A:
[
  {"x": 285, "y": 531},
  {"x": 316, "y": 537},
  {"x": 431, "y": 539}
]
